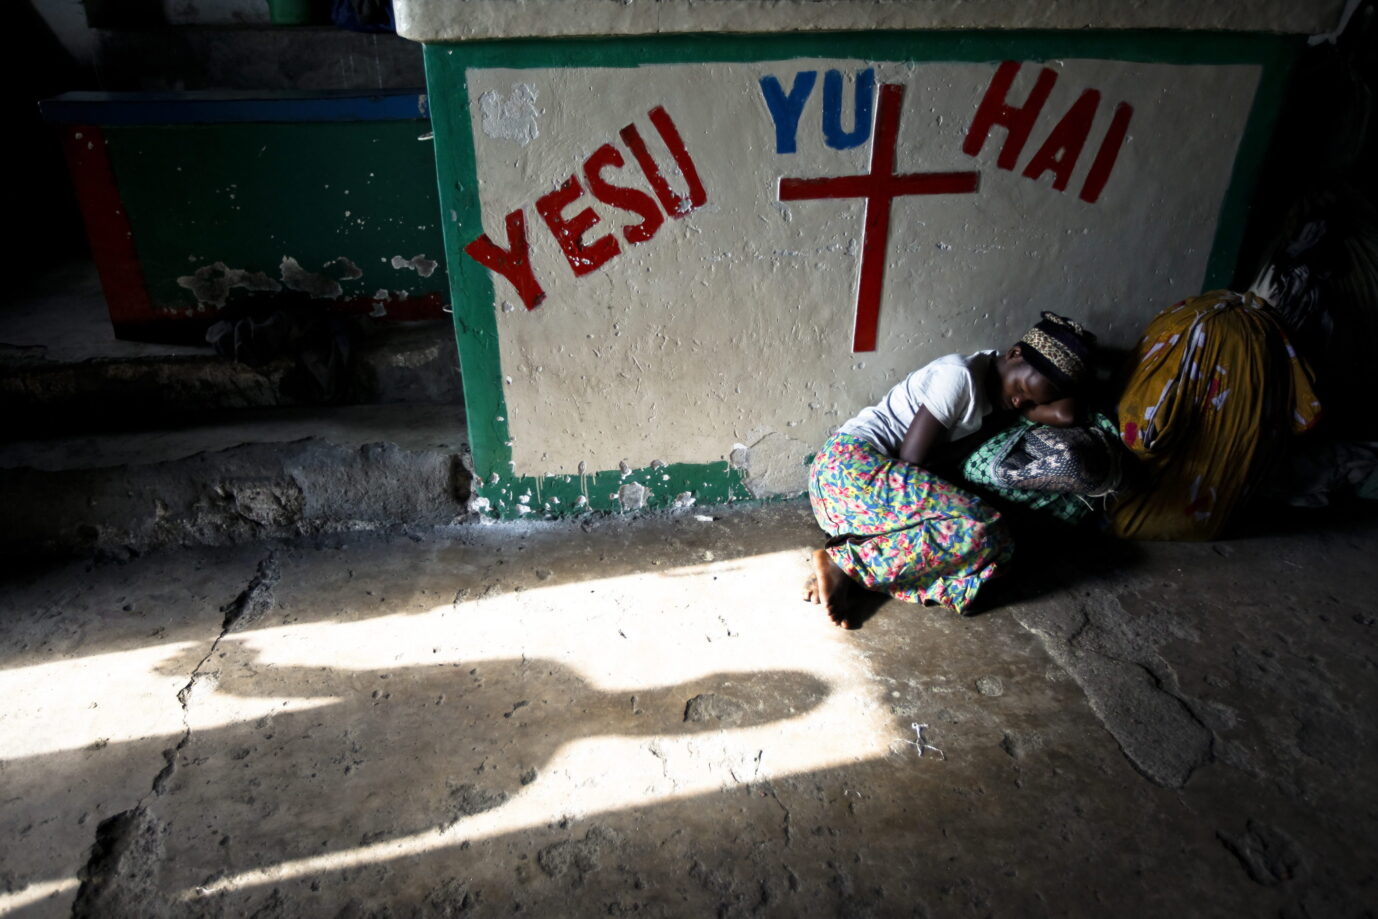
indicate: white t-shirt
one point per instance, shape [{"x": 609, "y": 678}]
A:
[{"x": 952, "y": 388}]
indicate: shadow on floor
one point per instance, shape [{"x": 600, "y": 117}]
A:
[{"x": 384, "y": 754}]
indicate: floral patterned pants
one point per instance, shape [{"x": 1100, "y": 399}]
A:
[{"x": 901, "y": 530}]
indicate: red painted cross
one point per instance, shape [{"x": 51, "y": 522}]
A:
[{"x": 879, "y": 187}]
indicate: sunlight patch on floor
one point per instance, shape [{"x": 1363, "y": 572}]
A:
[
  {"x": 35, "y": 893},
  {"x": 122, "y": 696},
  {"x": 627, "y": 634}
]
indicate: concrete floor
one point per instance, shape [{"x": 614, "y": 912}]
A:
[
  {"x": 640, "y": 716},
  {"x": 60, "y": 315},
  {"x": 120, "y": 447}
]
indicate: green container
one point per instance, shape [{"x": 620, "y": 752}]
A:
[{"x": 294, "y": 12}]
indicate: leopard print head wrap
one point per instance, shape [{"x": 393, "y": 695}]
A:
[{"x": 1060, "y": 349}]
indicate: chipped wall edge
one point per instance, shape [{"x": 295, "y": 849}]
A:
[{"x": 654, "y": 487}]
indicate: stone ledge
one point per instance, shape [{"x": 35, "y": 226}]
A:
[
  {"x": 320, "y": 472},
  {"x": 471, "y": 20}
]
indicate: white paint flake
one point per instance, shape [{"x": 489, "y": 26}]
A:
[
  {"x": 632, "y": 496},
  {"x": 295, "y": 277},
  {"x": 511, "y": 117},
  {"x": 418, "y": 263},
  {"x": 349, "y": 270},
  {"x": 211, "y": 284}
]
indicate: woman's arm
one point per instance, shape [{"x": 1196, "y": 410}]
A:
[
  {"x": 1059, "y": 414},
  {"x": 924, "y": 431}
]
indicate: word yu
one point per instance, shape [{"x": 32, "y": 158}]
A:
[
  {"x": 787, "y": 107},
  {"x": 1064, "y": 144},
  {"x": 570, "y": 231}
]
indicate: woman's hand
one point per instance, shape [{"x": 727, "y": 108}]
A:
[
  {"x": 1061, "y": 413},
  {"x": 924, "y": 431}
]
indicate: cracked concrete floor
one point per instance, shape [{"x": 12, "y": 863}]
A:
[{"x": 640, "y": 716}]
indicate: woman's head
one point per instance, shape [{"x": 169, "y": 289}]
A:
[{"x": 1051, "y": 361}]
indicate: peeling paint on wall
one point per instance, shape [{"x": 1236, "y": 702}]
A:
[
  {"x": 418, "y": 263},
  {"x": 380, "y": 303},
  {"x": 348, "y": 270},
  {"x": 673, "y": 485},
  {"x": 510, "y": 117},
  {"x": 211, "y": 284},
  {"x": 216, "y": 190},
  {"x": 295, "y": 277},
  {"x": 632, "y": 496},
  {"x": 773, "y": 465}
]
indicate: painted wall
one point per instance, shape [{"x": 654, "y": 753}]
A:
[
  {"x": 330, "y": 210},
  {"x": 197, "y": 202},
  {"x": 673, "y": 263}
]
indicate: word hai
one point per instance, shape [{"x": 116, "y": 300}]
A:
[
  {"x": 571, "y": 230},
  {"x": 1063, "y": 146}
]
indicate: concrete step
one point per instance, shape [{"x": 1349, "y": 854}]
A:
[
  {"x": 250, "y": 56},
  {"x": 270, "y": 473},
  {"x": 62, "y": 370}
]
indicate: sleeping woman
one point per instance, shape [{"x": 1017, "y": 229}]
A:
[{"x": 896, "y": 528}]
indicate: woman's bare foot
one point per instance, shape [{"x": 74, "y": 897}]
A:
[{"x": 829, "y": 586}]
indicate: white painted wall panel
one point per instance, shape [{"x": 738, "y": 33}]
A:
[{"x": 733, "y": 325}]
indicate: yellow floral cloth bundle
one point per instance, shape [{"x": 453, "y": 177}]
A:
[{"x": 1215, "y": 389}]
